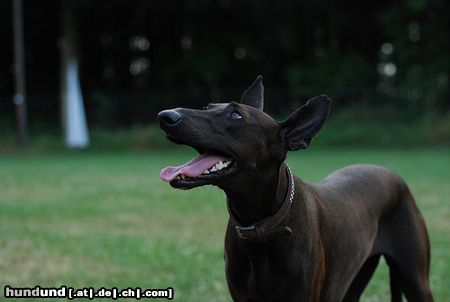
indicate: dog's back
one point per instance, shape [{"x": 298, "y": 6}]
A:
[{"x": 368, "y": 211}]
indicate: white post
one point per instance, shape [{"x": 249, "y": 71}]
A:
[
  {"x": 77, "y": 136},
  {"x": 72, "y": 108}
]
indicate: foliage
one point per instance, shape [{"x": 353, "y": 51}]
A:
[{"x": 138, "y": 57}]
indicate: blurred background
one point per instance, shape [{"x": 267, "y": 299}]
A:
[
  {"x": 384, "y": 63},
  {"x": 92, "y": 75}
]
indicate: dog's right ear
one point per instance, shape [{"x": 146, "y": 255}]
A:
[
  {"x": 254, "y": 95},
  {"x": 297, "y": 131}
]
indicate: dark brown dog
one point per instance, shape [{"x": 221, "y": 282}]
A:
[{"x": 288, "y": 240}]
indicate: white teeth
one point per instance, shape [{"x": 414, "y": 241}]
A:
[{"x": 217, "y": 167}]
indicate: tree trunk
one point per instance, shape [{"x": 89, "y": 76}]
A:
[{"x": 19, "y": 72}]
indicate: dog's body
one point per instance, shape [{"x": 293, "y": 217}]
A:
[
  {"x": 340, "y": 228},
  {"x": 292, "y": 241}
]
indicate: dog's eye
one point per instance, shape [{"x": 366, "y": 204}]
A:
[{"x": 235, "y": 115}]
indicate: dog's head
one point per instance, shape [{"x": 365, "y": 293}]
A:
[{"x": 237, "y": 140}]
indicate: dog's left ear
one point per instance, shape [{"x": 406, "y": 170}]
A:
[
  {"x": 297, "y": 131},
  {"x": 254, "y": 95}
]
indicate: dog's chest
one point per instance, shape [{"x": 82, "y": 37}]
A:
[{"x": 268, "y": 278}]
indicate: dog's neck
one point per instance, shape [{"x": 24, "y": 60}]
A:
[{"x": 260, "y": 197}]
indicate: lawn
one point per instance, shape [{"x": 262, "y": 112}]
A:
[{"x": 88, "y": 219}]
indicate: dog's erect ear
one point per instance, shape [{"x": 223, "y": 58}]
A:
[
  {"x": 297, "y": 131},
  {"x": 254, "y": 95}
]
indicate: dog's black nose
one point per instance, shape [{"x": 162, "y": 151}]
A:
[{"x": 169, "y": 117}]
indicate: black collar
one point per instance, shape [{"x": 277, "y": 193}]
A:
[{"x": 268, "y": 228}]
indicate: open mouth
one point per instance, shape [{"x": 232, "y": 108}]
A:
[{"x": 207, "y": 168}]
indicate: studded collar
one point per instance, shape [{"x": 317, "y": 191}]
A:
[{"x": 268, "y": 228}]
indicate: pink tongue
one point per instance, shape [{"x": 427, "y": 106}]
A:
[{"x": 192, "y": 168}]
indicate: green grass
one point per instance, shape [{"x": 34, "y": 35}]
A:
[{"x": 105, "y": 219}]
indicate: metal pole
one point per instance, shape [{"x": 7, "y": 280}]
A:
[{"x": 19, "y": 72}]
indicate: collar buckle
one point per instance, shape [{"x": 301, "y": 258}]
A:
[
  {"x": 268, "y": 228},
  {"x": 243, "y": 231}
]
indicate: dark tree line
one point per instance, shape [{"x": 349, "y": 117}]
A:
[{"x": 140, "y": 56}]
